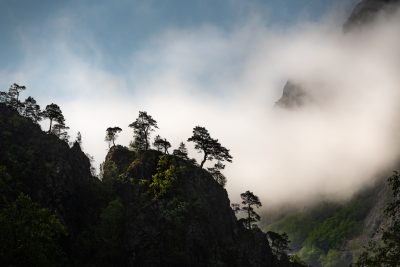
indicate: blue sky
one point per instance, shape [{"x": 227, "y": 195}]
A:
[{"x": 122, "y": 26}]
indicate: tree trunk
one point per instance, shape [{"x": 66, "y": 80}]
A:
[
  {"x": 204, "y": 160},
  {"x": 248, "y": 219},
  {"x": 51, "y": 121},
  {"x": 113, "y": 142}
]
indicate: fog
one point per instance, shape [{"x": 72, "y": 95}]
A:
[{"x": 229, "y": 81}]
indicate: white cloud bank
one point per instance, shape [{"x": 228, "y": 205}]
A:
[{"x": 229, "y": 82}]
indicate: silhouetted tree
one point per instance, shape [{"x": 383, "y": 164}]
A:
[
  {"x": 211, "y": 148},
  {"x": 112, "y": 134},
  {"x": 15, "y": 90},
  {"x": 248, "y": 201},
  {"x": 79, "y": 139},
  {"x": 31, "y": 110},
  {"x": 235, "y": 207},
  {"x": 161, "y": 143},
  {"x": 386, "y": 252},
  {"x": 181, "y": 152},
  {"x": 142, "y": 128},
  {"x": 4, "y": 98},
  {"x": 60, "y": 130},
  {"x": 13, "y": 93},
  {"x": 53, "y": 113},
  {"x": 279, "y": 244},
  {"x": 157, "y": 142},
  {"x": 217, "y": 174}
]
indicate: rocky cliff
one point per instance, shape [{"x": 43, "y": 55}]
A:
[{"x": 149, "y": 209}]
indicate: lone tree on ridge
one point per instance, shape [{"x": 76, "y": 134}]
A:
[
  {"x": 211, "y": 148},
  {"x": 53, "y": 113},
  {"x": 142, "y": 127},
  {"x": 112, "y": 134}
]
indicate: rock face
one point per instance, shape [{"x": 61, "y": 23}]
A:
[
  {"x": 366, "y": 11},
  {"x": 191, "y": 225},
  {"x": 293, "y": 96}
]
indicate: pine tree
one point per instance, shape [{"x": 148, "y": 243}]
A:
[
  {"x": 211, "y": 148},
  {"x": 142, "y": 127},
  {"x": 112, "y": 134},
  {"x": 31, "y": 110},
  {"x": 53, "y": 113},
  {"x": 181, "y": 152},
  {"x": 248, "y": 201}
]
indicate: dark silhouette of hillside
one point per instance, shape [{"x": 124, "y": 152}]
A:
[{"x": 149, "y": 209}]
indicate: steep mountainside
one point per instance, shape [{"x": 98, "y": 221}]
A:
[
  {"x": 47, "y": 170},
  {"x": 149, "y": 209},
  {"x": 331, "y": 233}
]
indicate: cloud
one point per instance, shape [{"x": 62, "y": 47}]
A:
[{"x": 228, "y": 81}]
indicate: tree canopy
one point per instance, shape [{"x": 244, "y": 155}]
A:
[
  {"x": 248, "y": 201},
  {"x": 181, "y": 152},
  {"x": 142, "y": 127},
  {"x": 211, "y": 148},
  {"x": 279, "y": 244},
  {"x": 11, "y": 98},
  {"x": 217, "y": 174},
  {"x": 53, "y": 113},
  {"x": 13, "y": 93},
  {"x": 161, "y": 144},
  {"x": 31, "y": 110},
  {"x": 112, "y": 134},
  {"x": 60, "y": 130}
]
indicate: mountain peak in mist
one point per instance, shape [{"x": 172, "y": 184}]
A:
[{"x": 366, "y": 11}]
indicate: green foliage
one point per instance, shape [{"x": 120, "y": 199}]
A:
[
  {"x": 332, "y": 232},
  {"x": 165, "y": 175},
  {"x": 30, "y": 235},
  {"x": 297, "y": 259},
  {"x": 109, "y": 172},
  {"x": 142, "y": 127},
  {"x": 386, "y": 252},
  {"x": 332, "y": 259},
  {"x": 109, "y": 233},
  {"x": 279, "y": 243},
  {"x": 325, "y": 227},
  {"x": 311, "y": 255}
]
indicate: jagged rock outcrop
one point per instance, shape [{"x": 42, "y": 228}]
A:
[
  {"x": 205, "y": 229},
  {"x": 366, "y": 11},
  {"x": 293, "y": 96}
]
